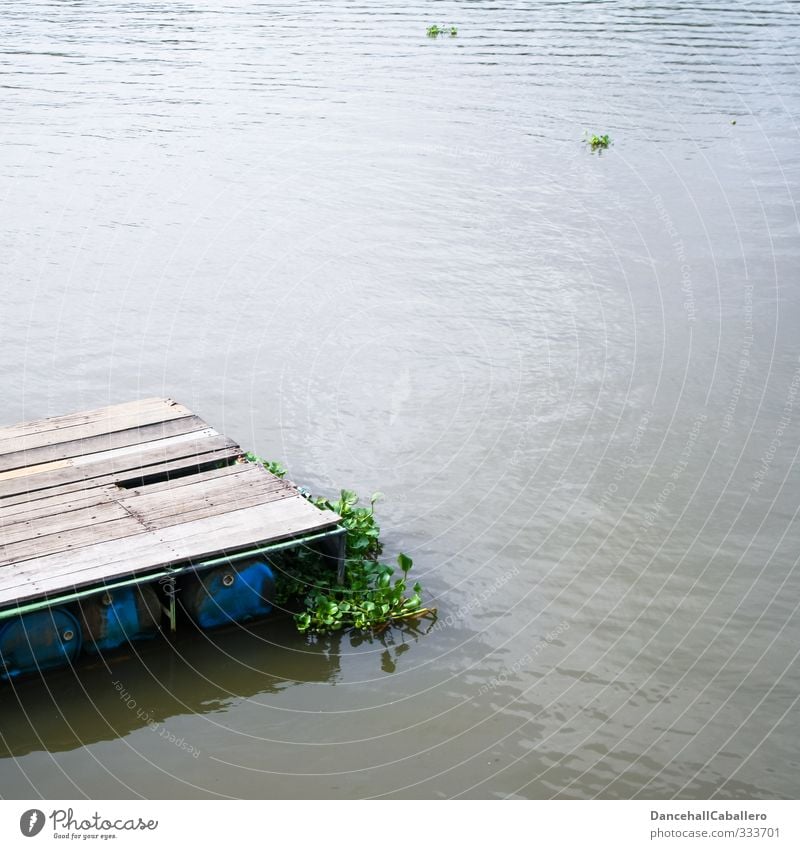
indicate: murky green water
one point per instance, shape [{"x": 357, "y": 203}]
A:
[{"x": 391, "y": 262}]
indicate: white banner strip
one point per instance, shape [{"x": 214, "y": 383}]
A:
[{"x": 351, "y": 824}]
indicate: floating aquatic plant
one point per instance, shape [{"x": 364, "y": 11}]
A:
[
  {"x": 597, "y": 142},
  {"x": 371, "y": 597},
  {"x": 270, "y": 465},
  {"x": 435, "y": 31}
]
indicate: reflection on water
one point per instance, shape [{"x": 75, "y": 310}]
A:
[
  {"x": 106, "y": 698},
  {"x": 392, "y": 263},
  {"x": 144, "y": 685}
]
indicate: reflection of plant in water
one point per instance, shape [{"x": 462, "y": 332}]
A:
[
  {"x": 395, "y": 642},
  {"x": 371, "y": 597}
]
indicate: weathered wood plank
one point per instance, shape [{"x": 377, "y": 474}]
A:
[
  {"x": 88, "y": 431},
  {"x": 202, "y": 509},
  {"x": 117, "y": 464},
  {"x": 248, "y": 526},
  {"x": 99, "y": 443},
  {"x": 85, "y": 528},
  {"x": 149, "y": 511},
  {"x": 125, "y": 490},
  {"x": 95, "y": 491},
  {"x": 78, "y": 539},
  {"x": 32, "y": 529},
  {"x": 111, "y": 455},
  {"x": 182, "y": 467},
  {"x": 53, "y": 504},
  {"x": 199, "y": 539},
  {"x": 127, "y": 477},
  {"x": 193, "y": 487},
  {"x": 88, "y": 526},
  {"x": 35, "y": 470},
  {"x": 145, "y": 411},
  {"x": 177, "y": 483},
  {"x": 62, "y": 572}
]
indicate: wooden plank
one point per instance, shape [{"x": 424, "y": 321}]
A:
[
  {"x": 118, "y": 464},
  {"x": 53, "y": 504},
  {"x": 182, "y": 467},
  {"x": 148, "y": 512},
  {"x": 92, "y": 492},
  {"x": 88, "y": 431},
  {"x": 194, "y": 487},
  {"x": 98, "y": 443},
  {"x": 200, "y": 509},
  {"x": 88, "y": 497},
  {"x": 80, "y": 417},
  {"x": 34, "y": 578},
  {"x": 75, "y": 540},
  {"x": 176, "y": 483},
  {"x": 145, "y": 411},
  {"x": 199, "y": 539},
  {"x": 90, "y": 526},
  {"x": 248, "y": 526},
  {"x": 112, "y": 454},
  {"x": 127, "y": 477},
  {"x": 26, "y": 528},
  {"x": 108, "y": 456},
  {"x": 35, "y": 470}
]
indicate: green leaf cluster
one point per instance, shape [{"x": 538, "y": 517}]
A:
[
  {"x": 270, "y": 465},
  {"x": 373, "y": 594},
  {"x": 435, "y": 31},
  {"x": 363, "y": 532},
  {"x": 598, "y": 142},
  {"x": 371, "y": 598}
]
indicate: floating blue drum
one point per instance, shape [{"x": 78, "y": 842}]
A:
[
  {"x": 36, "y": 641},
  {"x": 231, "y": 593},
  {"x": 120, "y": 616}
]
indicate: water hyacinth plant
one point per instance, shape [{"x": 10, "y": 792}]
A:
[
  {"x": 270, "y": 465},
  {"x": 373, "y": 595},
  {"x": 597, "y": 142},
  {"x": 435, "y": 31}
]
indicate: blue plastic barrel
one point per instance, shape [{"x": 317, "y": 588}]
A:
[
  {"x": 37, "y": 641},
  {"x": 231, "y": 593},
  {"x": 120, "y": 616}
]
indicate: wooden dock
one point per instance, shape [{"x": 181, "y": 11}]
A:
[{"x": 126, "y": 493}]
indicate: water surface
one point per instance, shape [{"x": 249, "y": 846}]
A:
[{"x": 392, "y": 263}]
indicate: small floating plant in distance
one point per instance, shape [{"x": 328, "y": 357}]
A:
[
  {"x": 435, "y": 31},
  {"x": 597, "y": 142}
]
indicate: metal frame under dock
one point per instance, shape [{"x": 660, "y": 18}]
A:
[{"x": 134, "y": 494}]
